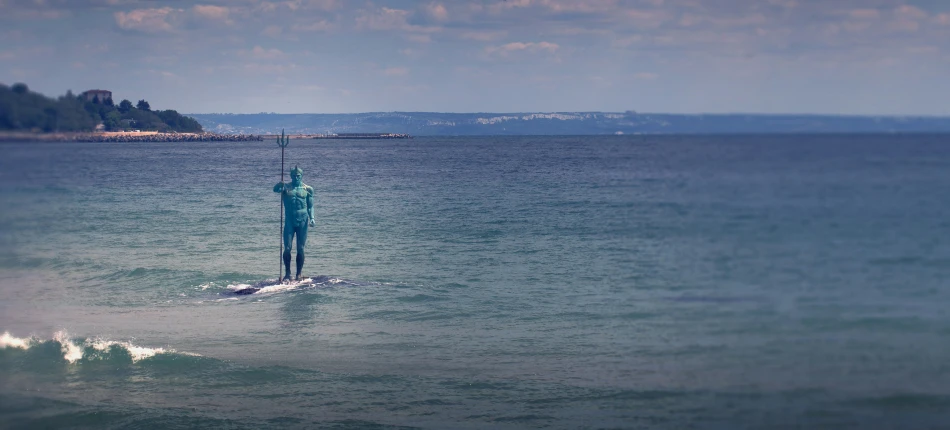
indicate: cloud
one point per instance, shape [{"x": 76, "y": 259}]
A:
[
  {"x": 484, "y": 36},
  {"x": 259, "y": 53},
  {"x": 146, "y": 20},
  {"x": 297, "y": 5},
  {"x": 581, "y": 6},
  {"x": 910, "y": 12},
  {"x": 558, "y": 6},
  {"x": 218, "y": 13},
  {"x": 437, "y": 11},
  {"x": 509, "y": 48},
  {"x": 326, "y": 5},
  {"x": 315, "y": 26},
  {"x": 386, "y": 19},
  {"x": 383, "y": 19},
  {"x": 645, "y": 76}
]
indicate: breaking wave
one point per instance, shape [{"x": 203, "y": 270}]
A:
[{"x": 78, "y": 349}]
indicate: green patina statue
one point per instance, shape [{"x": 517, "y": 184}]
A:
[{"x": 298, "y": 205}]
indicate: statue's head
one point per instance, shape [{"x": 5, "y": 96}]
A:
[{"x": 296, "y": 174}]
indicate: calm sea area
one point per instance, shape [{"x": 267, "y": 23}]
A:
[{"x": 708, "y": 282}]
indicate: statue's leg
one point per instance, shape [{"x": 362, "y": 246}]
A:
[
  {"x": 288, "y": 241},
  {"x": 301, "y": 245}
]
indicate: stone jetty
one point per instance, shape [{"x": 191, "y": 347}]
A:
[{"x": 144, "y": 136}]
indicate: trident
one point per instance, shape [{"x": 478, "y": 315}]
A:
[{"x": 282, "y": 142}]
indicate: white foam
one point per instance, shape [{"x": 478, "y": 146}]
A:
[
  {"x": 8, "y": 341},
  {"x": 73, "y": 351},
  {"x": 239, "y": 287},
  {"x": 280, "y": 287},
  {"x": 137, "y": 352},
  {"x": 276, "y": 288}
]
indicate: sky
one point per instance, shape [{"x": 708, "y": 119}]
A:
[{"x": 864, "y": 57}]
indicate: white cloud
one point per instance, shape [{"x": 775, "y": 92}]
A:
[
  {"x": 522, "y": 46},
  {"x": 218, "y": 13},
  {"x": 383, "y": 19},
  {"x": 146, "y": 20},
  {"x": 437, "y": 11}
]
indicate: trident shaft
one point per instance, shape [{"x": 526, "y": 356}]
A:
[{"x": 282, "y": 142}]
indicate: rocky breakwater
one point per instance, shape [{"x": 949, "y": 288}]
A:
[
  {"x": 166, "y": 137},
  {"x": 142, "y": 136}
]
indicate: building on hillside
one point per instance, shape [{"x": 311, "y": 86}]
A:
[{"x": 102, "y": 94}]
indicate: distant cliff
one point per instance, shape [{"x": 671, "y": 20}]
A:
[{"x": 562, "y": 123}]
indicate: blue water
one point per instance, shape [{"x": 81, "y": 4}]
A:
[{"x": 505, "y": 282}]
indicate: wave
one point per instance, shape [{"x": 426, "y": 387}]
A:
[{"x": 79, "y": 349}]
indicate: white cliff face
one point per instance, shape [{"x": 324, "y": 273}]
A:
[
  {"x": 495, "y": 119},
  {"x": 563, "y": 116}
]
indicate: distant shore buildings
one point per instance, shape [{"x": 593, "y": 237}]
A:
[{"x": 91, "y": 95}]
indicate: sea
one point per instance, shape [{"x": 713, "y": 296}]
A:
[{"x": 670, "y": 282}]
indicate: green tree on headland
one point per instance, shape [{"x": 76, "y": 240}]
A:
[{"x": 21, "y": 109}]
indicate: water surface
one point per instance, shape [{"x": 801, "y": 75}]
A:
[{"x": 668, "y": 282}]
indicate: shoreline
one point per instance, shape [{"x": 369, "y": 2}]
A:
[{"x": 142, "y": 136}]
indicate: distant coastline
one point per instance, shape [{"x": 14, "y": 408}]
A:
[
  {"x": 562, "y": 123},
  {"x": 119, "y": 136}
]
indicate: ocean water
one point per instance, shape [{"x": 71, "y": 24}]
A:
[{"x": 680, "y": 282}]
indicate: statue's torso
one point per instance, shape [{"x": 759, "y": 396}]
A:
[{"x": 295, "y": 202}]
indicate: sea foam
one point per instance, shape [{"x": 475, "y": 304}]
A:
[{"x": 74, "y": 350}]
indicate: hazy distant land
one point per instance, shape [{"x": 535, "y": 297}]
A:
[
  {"x": 22, "y": 110},
  {"x": 562, "y": 123}
]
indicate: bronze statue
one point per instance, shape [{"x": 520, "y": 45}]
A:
[{"x": 298, "y": 206}]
